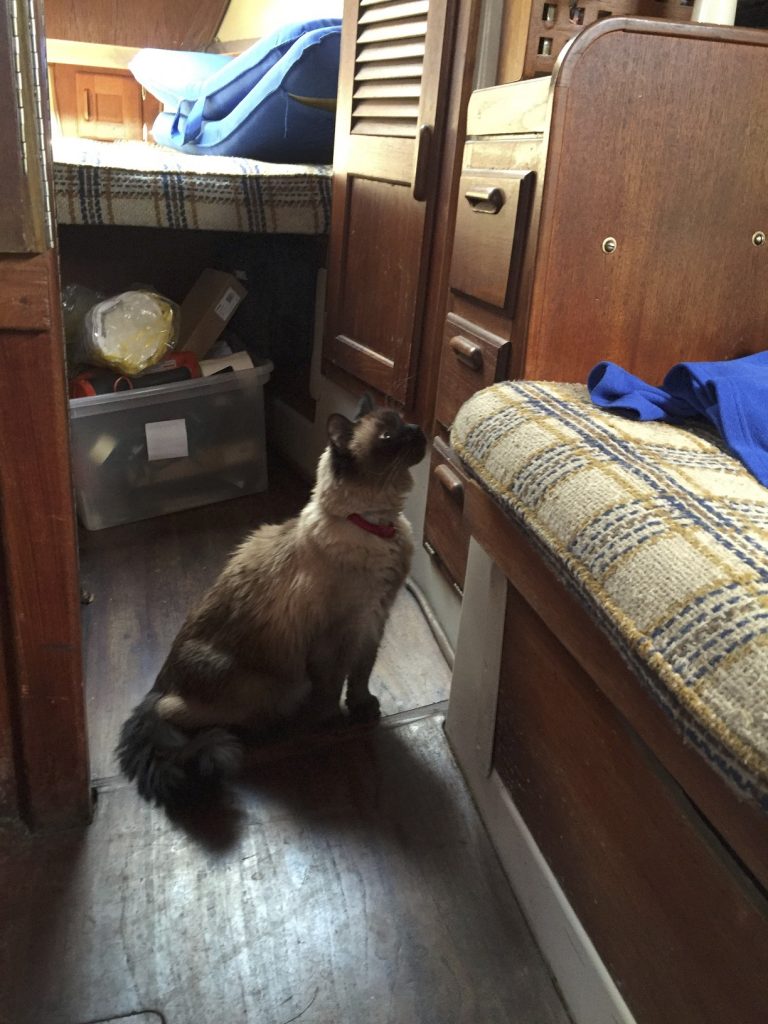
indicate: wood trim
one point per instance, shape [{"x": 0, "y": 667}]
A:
[
  {"x": 89, "y": 55},
  {"x": 654, "y": 27},
  {"x": 498, "y": 110},
  {"x": 451, "y": 153},
  {"x": 181, "y": 25},
  {"x": 26, "y": 304},
  {"x": 740, "y": 823},
  {"x": 363, "y": 363},
  {"x": 41, "y": 633},
  {"x": 9, "y": 795}
]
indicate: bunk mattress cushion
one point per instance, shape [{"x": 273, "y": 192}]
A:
[
  {"x": 664, "y": 537},
  {"x": 141, "y": 185}
]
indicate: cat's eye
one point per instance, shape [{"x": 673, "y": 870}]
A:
[{"x": 385, "y": 436}]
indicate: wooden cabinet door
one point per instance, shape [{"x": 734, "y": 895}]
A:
[
  {"x": 395, "y": 61},
  {"x": 98, "y": 104}
]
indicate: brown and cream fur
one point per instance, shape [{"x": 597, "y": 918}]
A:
[{"x": 299, "y": 609}]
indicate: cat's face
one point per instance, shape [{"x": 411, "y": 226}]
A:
[{"x": 378, "y": 444}]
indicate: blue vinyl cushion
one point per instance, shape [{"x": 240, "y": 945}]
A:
[
  {"x": 274, "y": 102},
  {"x": 175, "y": 76},
  {"x": 221, "y": 93}
]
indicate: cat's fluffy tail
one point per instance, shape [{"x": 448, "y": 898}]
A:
[{"x": 168, "y": 763}]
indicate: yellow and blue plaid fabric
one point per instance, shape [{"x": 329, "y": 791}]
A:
[
  {"x": 664, "y": 536},
  {"x": 142, "y": 185}
]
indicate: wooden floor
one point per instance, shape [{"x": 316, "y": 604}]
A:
[{"x": 345, "y": 880}]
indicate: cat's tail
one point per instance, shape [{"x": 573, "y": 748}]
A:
[{"x": 169, "y": 763}]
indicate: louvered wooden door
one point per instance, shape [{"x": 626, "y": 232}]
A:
[{"x": 394, "y": 64}]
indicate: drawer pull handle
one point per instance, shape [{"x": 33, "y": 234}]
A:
[
  {"x": 467, "y": 352},
  {"x": 485, "y": 200},
  {"x": 450, "y": 482},
  {"x": 422, "y": 165}
]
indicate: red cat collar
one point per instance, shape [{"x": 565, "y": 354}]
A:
[{"x": 386, "y": 530}]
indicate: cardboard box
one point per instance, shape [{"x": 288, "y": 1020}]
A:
[{"x": 207, "y": 309}]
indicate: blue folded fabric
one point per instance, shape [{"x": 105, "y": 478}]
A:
[{"x": 731, "y": 394}]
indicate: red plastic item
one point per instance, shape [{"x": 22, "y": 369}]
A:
[{"x": 174, "y": 367}]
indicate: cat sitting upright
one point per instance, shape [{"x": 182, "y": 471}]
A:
[{"x": 299, "y": 609}]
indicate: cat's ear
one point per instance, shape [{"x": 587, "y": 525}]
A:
[
  {"x": 340, "y": 431},
  {"x": 366, "y": 405}
]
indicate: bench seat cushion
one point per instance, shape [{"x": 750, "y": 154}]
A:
[{"x": 663, "y": 535}]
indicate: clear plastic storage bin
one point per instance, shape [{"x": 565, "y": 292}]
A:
[{"x": 144, "y": 453}]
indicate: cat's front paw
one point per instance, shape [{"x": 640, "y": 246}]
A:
[{"x": 365, "y": 710}]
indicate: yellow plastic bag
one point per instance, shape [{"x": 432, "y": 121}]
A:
[{"x": 130, "y": 332}]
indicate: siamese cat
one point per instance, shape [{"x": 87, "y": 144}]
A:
[{"x": 299, "y": 610}]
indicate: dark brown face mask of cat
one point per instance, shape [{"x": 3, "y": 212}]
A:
[{"x": 377, "y": 443}]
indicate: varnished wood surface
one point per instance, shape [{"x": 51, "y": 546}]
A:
[
  {"x": 445, "y": 528},
  {"x": 41, "y": 713},
  {"x": 471, "y": 359},
  {"x": 681, "y": 928},
  {"x": 635, "y": 154},
  {"x": 146, "y": 576},
  {"x": 182, "y": 25},
  {"x": 347, "y": 883},
  {"x": 381, "y": 230},
  {"x": 129, "y": 116}
]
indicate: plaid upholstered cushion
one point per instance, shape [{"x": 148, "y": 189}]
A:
[
  {"x": 662, "y": 533},
  {"x": 141, "y": 185}
]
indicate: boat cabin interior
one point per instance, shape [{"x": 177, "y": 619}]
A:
[{"x": 224, "y": 222}]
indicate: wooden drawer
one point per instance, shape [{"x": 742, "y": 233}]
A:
[
  {"x": 446, "y": 535},
  {"x": 472, "y": 359},
  {"x": 491, "y": 223}
]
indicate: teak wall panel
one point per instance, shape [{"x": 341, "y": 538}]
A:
[
  {"x": 645, "y": 150},
  {"x": 181, "y": 25},
  {"x": 684, "y": 936},
  {"x": 42, "y": 706}
]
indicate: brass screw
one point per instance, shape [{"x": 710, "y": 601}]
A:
[
  {"x": 758, "y": 238},
  {"x": 609, "y": 244}
]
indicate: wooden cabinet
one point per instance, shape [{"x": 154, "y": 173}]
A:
[
  {"x": 388, "y": 124},
  {"x": 96, "y": 103},
  {"x": 535, "y": 31},
  {"x": 403, "y": 85},
  {"x": 609, "y": 213}
]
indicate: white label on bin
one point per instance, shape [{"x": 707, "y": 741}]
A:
[
  {"x": 166, "y": 440},
  {"x": 227, "y": 304}
]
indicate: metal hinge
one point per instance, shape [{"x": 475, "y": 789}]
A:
[
  {"x": 18, "y": 75},
  {"x": 29, "y": 101}
]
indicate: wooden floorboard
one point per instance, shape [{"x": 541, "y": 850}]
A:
[
  {"x": 346, "y": 883},
  {"x": 346, "y": 878}
]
